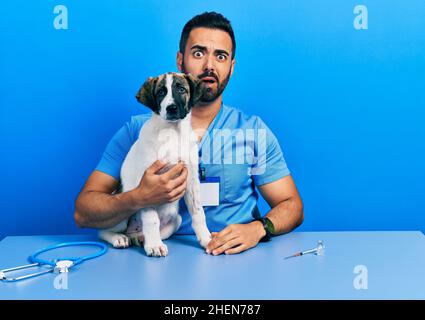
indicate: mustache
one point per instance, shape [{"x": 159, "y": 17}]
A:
[{"x": 208, "y": 74}]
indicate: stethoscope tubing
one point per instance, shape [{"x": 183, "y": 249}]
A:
[{"x": 35, "y": 259}]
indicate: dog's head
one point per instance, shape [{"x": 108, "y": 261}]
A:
[{"x": 171, "y": 95}]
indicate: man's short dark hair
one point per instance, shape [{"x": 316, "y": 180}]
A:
[{"x": 211, "y": 20}]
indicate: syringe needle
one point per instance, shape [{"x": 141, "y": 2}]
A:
[{"x": 294, "y": 255}]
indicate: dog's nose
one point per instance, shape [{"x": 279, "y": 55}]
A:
[{"x": 172, "y": 108}]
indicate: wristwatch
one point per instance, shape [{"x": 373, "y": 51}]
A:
[{"x": 268, "y": 227}]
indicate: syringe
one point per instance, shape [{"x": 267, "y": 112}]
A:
[{"x": 319, "y": 250}]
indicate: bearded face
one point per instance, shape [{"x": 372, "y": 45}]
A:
[
  {"x": 208, "y": 55},
  {"x": 212, "y": 86}
]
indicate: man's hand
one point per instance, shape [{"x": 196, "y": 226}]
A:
[
  {"x": 236, "y": 238},
  {"x": 155, "y": 189}
]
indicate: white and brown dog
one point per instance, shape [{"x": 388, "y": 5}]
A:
[{"x": 166, "y": 136}]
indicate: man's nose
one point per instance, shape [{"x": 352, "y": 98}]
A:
[
  {"x": 172, "y": 108},
  {"x": 209, "y": 63}
]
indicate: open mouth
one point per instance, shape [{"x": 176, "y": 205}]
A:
[{"x": 209, "y": 80}]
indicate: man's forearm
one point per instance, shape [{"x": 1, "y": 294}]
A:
[
  {"x": 287, "y": 215},
  {"x": 100, "y": 210}
]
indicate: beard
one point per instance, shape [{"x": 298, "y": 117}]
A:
[{"x": 210, "y": 94}]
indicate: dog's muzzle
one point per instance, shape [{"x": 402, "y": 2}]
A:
[
  {"x": 174, "y": 114},
  {"x": 172, "y": 109}
]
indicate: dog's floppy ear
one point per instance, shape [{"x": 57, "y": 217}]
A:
[
  {"x": 146, "y": 94},
  {"x": 195, "y": 88}
]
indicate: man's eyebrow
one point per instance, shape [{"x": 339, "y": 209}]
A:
[
  {"x": 197, "y": 46},
  {"x": 203, "y": 48},
  {"x": 221, "y": 51}
]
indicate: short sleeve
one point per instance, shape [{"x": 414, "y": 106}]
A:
[
  {"x": 117, "y": 149},
  {"x": 270, "y": 164}
]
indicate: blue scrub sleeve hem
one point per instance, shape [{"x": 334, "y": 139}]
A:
[
  {"x": 259, "y": 181},
  {"x": 106, "y": 169}
]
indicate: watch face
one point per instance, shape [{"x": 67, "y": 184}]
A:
[{"x": 269, "y": 225}]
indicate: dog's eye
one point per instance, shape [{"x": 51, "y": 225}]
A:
[
  {"x": 181, "y": 90},
  {"x": 161, "y": 92}
]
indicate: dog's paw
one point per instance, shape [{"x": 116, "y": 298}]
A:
[
  {"x": 156, "y": 249},
  {"x": 204, "y": 240},
  {"x": 120, "y": 241},
  {"x": 137, "y": 240}
]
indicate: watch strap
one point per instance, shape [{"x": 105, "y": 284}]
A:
[{"x": 268, "y": 234}]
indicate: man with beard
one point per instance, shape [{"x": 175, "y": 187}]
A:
[{"x": 207, "y": 50}]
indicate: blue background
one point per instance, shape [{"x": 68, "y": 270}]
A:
[{"x": 346, "y": 105}]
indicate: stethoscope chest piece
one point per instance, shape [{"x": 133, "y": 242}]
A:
[{"x": 63, "y": 266}]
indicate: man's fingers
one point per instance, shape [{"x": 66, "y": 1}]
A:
[
  {"x": 224, "y": 232},
  {"x": 226, "y": 246},
  {"x": 174, "y": 171},
  {"x": 156, "y": 166},
  {"x": 182, "y": 178},
  {"x": 176, "y": 191},
  {"x": 237, "y": 249},
  {"x": 218, "y": 241},
  {"x": 177, "y": 197}
]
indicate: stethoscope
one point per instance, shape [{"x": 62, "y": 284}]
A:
[{"x": 58, "y": 265}]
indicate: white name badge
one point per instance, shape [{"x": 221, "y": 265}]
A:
[{"x": 210, "y": 191}]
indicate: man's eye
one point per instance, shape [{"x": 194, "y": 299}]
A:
[
  {"x": 221, "y": 57},
  {"x": 181, "y": 90},
  {"x": 198, "y": 54}
]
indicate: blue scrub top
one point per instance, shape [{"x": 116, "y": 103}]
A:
[{"x": 239, "y": 149}]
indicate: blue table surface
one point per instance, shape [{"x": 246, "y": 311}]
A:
[{"x": 395, "y": 263}]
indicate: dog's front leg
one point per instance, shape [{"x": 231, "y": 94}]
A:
[
  {"x": 192, "y": 198},
  {"x": 153, "y": 244}
]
